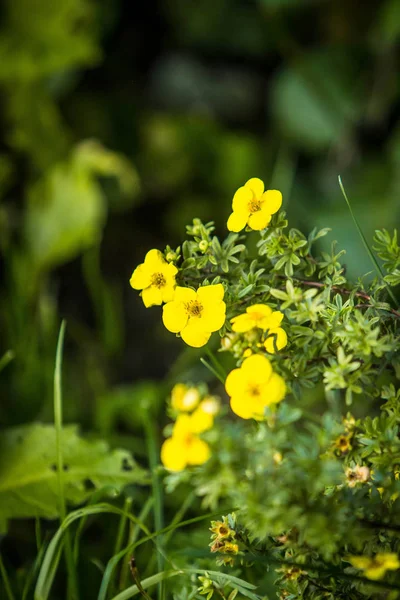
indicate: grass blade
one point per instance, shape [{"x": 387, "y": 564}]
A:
[
  {"x": 5, "y": 579},
  {"x": 72, "y": 589},
  {"x": 375, "y": 263},
  {"x": 243, "y": 586},
  {"x": 213, "y": 371},
  {"x": 131, "y": 547},
  {"x": 133, "y": 535},
  {"x": 153, "y": 580},
  {"x": 53, "y": 552},
  {"x": 158, "y": 495}
]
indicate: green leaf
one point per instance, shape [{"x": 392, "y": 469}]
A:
[
  {"x": 67, "y": 209},
  {"x": 28, "y": 475}
]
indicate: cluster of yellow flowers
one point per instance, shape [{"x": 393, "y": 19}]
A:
[
  {"x": 195, "y": 315},
  {"x": 223, "y": 539},
  {"x": 260, "y": 317},
  {"x": 194, "y": 416}
]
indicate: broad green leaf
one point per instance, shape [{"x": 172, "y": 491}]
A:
[
  {"x": 67, "y": 209},
  {"x": 28, "y": 476}
]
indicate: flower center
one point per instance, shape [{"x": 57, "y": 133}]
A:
[
  {"x": 158, "y": 280},
  {"x": 254, "y": 390},
  {"x": 257, "y": 316},
  {"x": 254, "y": 205},
  {"x": 188, "y": 440},
  {"x": 194, "y": 308}
]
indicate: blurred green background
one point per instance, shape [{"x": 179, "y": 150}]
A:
[{"x": 121, "y": 121}]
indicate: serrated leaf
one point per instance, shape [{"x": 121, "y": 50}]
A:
[{"x": 28, "y": 474}]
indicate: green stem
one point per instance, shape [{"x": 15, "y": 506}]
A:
[
  {"x": 212, "y": 370},
  {"x": 154, "y": 452},
  {"x": 178, "y": 516},
  {"x": 217, "y": 364},
  {"x": 134, "y": 531},
  {"x": 366, "y": 245},
  {"x": 5, "y": 579},
  {"x": 122, "y": 526},
  {"x": 72, "y": 590}
]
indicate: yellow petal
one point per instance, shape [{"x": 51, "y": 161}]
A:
[
  {"x": 210, "y": 405},
  {"x": 152, "y": 296},
  {"x": 274, "y": 390},
  {"x": 153, "y": 259},
  {"x": 184, "y": 398},
  {"x": 389, "y": 559},
  {"x": 194, "y": 335},
  {"x": 279, "y": 336},
  {"x": 234, "y": 382},
  {"x": 168, "y": 293},
  {"x": 237, "y": 221},
  {"x": 173, "y": 456},
  {"x": 261, "y": 315},
  {"x": 198, "y": 452},
  {"x": 241, "y": 199},
  {"x": 141, "y": 278},
  {"x": 256, "y": 186},
  {"x": 211, "y": 294},
  {"x": 174, "y": 316},
  {"x": 276, "y": 319},
  {"x": 244, "y": 407},
  {"x": 212, "y": 318},
  {"x": 201, "y": 420},
  {"x": 183, "y": 427},
  {"x": 272, "y": 201},
  {"x": 257, "y": 368},
  {"x": 360, "y": 562},
  {"x": 184, "y": 294},
  {"x": 242, "y": 323},
  {"x": 259, "y": 309},
  {"x": 170, "y": 270},
  {"x": 259, "y": 220},
  {"x": 375, "y": 573}
]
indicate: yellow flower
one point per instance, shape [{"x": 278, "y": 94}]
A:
[
  {"x": 254, "y": 386},
  {"x": 343, "y": 444},
  {"x": 184, "y": 447},
  {"x": 257, "y": 315},
  {"x": 375, "y": 568},
  {"x": 195, "y": 315},
  {"x": 156, "y": 278},
  {"x": 184, "y": 398},
  {"x": 221, "y": 530},
  {"x": 253, "y": 207},
  {"x": 203, "y": 416},
  {"x": 276, "y": 337}
]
